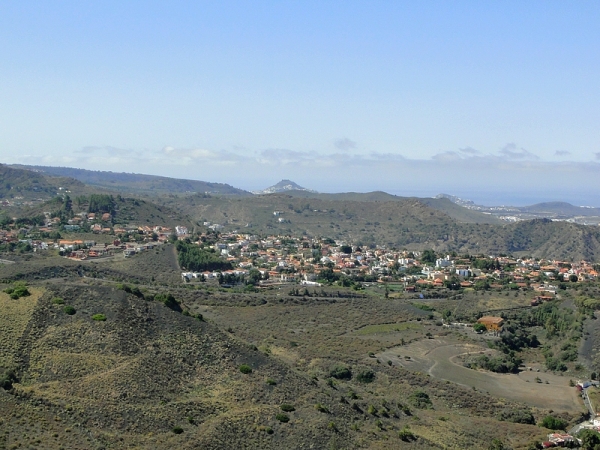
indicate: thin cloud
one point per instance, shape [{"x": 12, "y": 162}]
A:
[
  {"x": 562, "y": 153},
  {"x": 344, "y": 144},
  {"x": 597, "y": 155},
  {"x": 469, "y": 151},
  {"x": 510, "y": 151}
]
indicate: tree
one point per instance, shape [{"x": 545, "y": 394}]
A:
[
  {"x": 590, "y": 439},
  {"x": 479, "y": 328},
  {"x": 428, "y": 257},
  {"x": 554, "y": 423}
]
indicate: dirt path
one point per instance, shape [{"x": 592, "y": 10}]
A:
[{"x": 438, "y": 358}]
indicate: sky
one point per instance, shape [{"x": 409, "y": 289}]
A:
[{"x": 498, "y": 102}]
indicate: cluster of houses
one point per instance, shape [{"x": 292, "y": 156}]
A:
[
  {"x": 301, "y": 259},
  {"x": 146, "y": 237},
  {"x": 82, "y": 250}
]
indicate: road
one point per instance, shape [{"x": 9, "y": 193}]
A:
[{"x": 586, "y": 423}]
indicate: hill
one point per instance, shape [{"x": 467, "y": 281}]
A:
[
  {"x": 282, "y": 186},
  {"x": 27, "y": 185},
  {"x": 444, "y": 205},
  {"x": 138, "y": 183},
  {"x": 402, "y": 223},
  {"x": 560, "y": 209},
  {"x": 123, "y": 370}
]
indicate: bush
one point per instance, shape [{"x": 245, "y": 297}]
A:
[
  {"x": 245, "y": 368},
  {"x": 365, "y": 376},
  {"x": 340, "y": 372},
  {"x": 99, "y": 317},
  {"x": 287, "y": 407},
  {"x": 517, "y": 416},
  {"x": 554, "y": 423},
  {"x": 282, "y": 417},
  {"x": 406, "y": 435},
  {"x": 7, "y": 379},
  {"x": 321, "y": 408},
  {"x": 69, "y": 310},
  {"x": 177, "y": 430},
  {"x": 420, "y": 400},
  {"x": 19, "y": 290},
  {"x": 58, "y": 301},
  {"x": 271, "y": 382}
]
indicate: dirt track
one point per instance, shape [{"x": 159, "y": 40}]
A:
[{"x": 437, "y": 357}]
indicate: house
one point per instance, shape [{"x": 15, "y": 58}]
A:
[{"x": 491, "y": 322}]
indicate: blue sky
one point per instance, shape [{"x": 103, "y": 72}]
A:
[{"x": 494, "y": 101}]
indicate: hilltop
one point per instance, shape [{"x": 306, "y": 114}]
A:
[
  {"x": 283, "y": 186},
  {"x": 24, "y": 185}
]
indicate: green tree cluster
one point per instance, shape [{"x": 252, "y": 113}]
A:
[{"x": 193, "y": 257}]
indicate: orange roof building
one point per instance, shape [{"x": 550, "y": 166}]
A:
[{"x": 491, "y": 322}]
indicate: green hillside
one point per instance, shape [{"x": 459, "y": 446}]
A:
[
  {"x": 28, "y": 185},
  {"x": 134, "y": 183},
  {"x": 444, "y": 205},
  {"x": 402, "y": 223}
]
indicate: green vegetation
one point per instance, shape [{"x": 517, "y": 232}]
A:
[
  {"x": 58, "y": 301},
  {"x": 340, "y": 372},
  {"x": 177, "y": 430},
  {"x": 479, "y": 328},
  {"x": 517, "y": 416},
  {"x": 286, "y": 407},
  {"x": 245, "y": 368},
  {"x": 99, "y": 317},
  {"x": 282, "y": 417},
  {"x": 101, "y": 203},
  {"x": 406, "y": 434},
  {"x": 69, "y": 310},
  {"x": 322, "y": 408},
  {"x": 420, "y": 400},
  {"x": 193, "y": 257},
  {"x": 500, "y": 364},
  {"x": 554, "y": 423},
  {"x": 18, "y": 290},
  {"x": 365, "y": 376}
]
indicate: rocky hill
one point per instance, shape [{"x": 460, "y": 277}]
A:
[{"x": 283, "y": 186}]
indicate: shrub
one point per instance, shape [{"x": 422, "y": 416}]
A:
[
  {"x": 177, "y": 430},
  {"x": 340, "y": 372},
  {"x": 282, "y": 417},
  {"x": 7, "y": 379},
  {"x": 287, "y": 407},
  {"x": 169, "y": 301},
  {"x": 406, "y": 435},
  {"x": 321, "y": 408},
  {"x": 271, "y": 382},
  {"x": 245, "y": 368},
  {"x": 58, "y": 301},
  {"x": 99, "y": 317},
  {"x": 420, "y": 400},
  {"x": 517, "y": 416},
  {"x": 69, "y": 310},
  {"x": 554, "y": 423},
  {"x": 19, "y": 290},
  {"x": 365, "y": 376}
]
